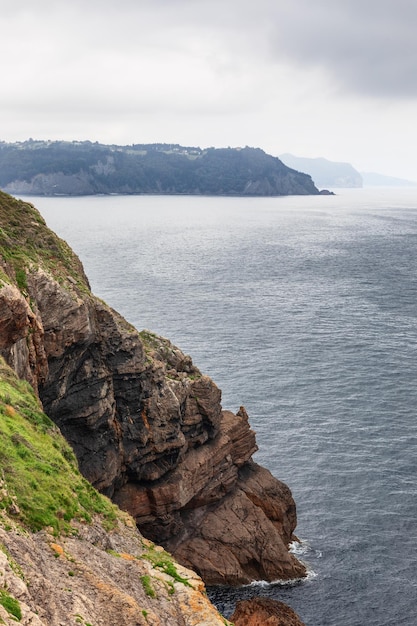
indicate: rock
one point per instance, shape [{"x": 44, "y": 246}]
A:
[
  {"x": 233, "y": 543},
  {"x": 146, "y": 425},
  {"x": 264, "y": 612},
  {"x": 21, "y": 337},
  {"x": 14, "y": 315},
  {"x": 97, "y": 578},
  {"x": 67, "y": 554}
]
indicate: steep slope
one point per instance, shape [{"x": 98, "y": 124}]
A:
[
  {"x": 146, "y": 425},
  {"x": 84, "y": 168},
  {"x": 67, "y": 554}
]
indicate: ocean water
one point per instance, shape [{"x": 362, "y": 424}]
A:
[{"x": 303, "y": 309}]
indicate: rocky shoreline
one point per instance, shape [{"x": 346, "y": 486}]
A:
[{"x": 146, "y": 425}]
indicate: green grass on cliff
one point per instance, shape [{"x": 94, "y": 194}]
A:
[
  {"x": 164, "y": 561},
  {"x": 40, "y": 485},
  {"x": 26, "y": 242},
  {"x": 11, "y": 605}
]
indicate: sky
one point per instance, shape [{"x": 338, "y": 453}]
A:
[{"x": 329, "y": 78}]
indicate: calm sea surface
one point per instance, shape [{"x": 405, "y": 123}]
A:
[{"x": 304, "y": 310}]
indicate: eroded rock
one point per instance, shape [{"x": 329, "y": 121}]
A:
[
  {"x": 147, "y": 426},
  {"x": 97, "y": 577},
  {"x": 22, "y": 336},
  {"x": 264, "y": 612}
]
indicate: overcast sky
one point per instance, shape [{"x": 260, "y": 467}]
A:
[{"x": 330, "y": 78}]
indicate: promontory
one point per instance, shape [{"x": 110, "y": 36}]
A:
[
  {"x": 50, "y": 168},
  {"x": 148, "y": 432}
]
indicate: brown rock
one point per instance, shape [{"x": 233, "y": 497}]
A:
[
  {"x": 147, "y": 427},
  {"x": 21, "y": 336},
  {"x": 233, "y": 542},
  {"x": 14, "y": 315},
  {"x": 264, "y": 612},
  {"x": 272, "y": 496}
]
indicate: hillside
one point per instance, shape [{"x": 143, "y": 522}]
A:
[
  {"x": 84, "y": 168},
  {"x": 325, "y": 173}
]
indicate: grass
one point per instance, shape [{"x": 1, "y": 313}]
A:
[
  {"x": 26, "y": 243},
  {"x": 147, "y": 586},
  {"x": 79, "y": 619},
  {"x": 162, "y": 560},
  {"x": 11, "y": 605},
  {"x": 43, "y": 484}
]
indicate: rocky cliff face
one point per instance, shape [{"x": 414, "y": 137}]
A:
[
  {"x": 96, "y": 578},
  {"x": 147, "y": 427},
  {"x": 67, "y": 554}
]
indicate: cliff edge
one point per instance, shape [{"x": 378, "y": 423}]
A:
[{"x": 146, "y": 425}]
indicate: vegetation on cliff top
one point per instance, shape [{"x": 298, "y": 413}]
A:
[
  {"x": 83, "y": 168},
  {"x": 26, "y": 241},
  {"x": 41, "y": 485}
]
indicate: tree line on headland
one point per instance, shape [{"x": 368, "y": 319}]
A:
[{"x": 85, "y": 168}]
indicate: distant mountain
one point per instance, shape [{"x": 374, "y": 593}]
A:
[
  {"x": 48, "y": 168},
  {"x": 325, "y": 173},
  {"x": 371, "y": 179}
]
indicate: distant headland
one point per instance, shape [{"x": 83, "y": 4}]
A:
[
  {"x": 77, "y": 168},
  {"x": 335, "y": 174}
]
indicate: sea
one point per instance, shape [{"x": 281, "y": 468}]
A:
[{"x": 302, "y": 309}]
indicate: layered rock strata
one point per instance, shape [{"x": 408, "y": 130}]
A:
[{"x": 147, "y": 427}]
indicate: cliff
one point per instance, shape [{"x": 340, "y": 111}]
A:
[
  {"x": 146, "y": 425},
  {"x": 325, "y": 173},
  {"x": 85, "y": 168},
  {"x": 67, "y": 554}
]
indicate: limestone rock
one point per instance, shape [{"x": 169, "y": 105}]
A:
[{"x": 99, "y": 578}]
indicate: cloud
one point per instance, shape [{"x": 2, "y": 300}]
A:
[
  {"x": 313, "y": 78},
  {"x": 126, "y": 56},
  {"x": 368, "y": 47}
]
